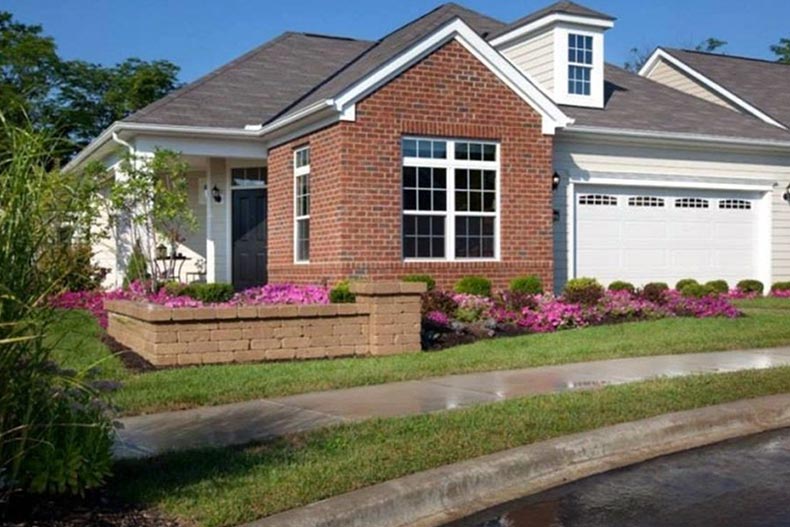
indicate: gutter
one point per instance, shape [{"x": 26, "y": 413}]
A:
[{"x": 677, "y": 137}]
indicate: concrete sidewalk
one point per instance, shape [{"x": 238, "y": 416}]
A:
[{"x": 240, "y": 423}]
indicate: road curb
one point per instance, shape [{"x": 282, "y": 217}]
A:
[{"x": 437, "y": 496}]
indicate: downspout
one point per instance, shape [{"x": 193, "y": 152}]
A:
[{"x": 121, "y": 262}]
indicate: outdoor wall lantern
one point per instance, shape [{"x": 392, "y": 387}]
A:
[
  {"x": 555, "y": 181},
  {"x": 786, "y": 195},
  {"x": 216, "y": 194}
]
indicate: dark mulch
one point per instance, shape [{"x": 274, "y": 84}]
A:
[
  {"x": 96, "y": 509},
  {"x": 131, "y": 360},
  {"x": 437, "y": 338}
]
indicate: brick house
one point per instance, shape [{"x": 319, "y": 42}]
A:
[{"x": 458, "y": 145}]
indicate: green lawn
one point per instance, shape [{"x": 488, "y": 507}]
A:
[
  {"x": 211, "y": 385},
  {"x": 763, "y": 303},
  {"x": 219, "y": 487}
]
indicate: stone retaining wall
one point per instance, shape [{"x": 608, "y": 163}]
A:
[{"x": 385, "y": 320}]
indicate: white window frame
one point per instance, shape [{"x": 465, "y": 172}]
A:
[
  {"x": 583, "y": 65},
  {"x": 450, "y": 164},
  {"x": 299, "y": 172}
]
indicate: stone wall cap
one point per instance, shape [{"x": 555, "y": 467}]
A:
[{"x": 388, "y": 288}]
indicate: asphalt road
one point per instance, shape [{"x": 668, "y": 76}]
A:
[{"x": 741, "y": 483}]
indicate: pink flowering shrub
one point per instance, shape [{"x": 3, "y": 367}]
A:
[
  {"x": 93, "y": 301},
  {"x": 438, "y": 318},
  {"x": 548, "y": 313},
  {"x": 781, "y": 293}
]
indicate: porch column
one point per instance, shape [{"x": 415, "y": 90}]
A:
[{"x": 215, "y": 221}]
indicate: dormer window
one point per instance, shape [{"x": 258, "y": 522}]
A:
[{"x": 580, "y": 63}]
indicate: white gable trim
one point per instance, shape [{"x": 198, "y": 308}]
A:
[
  {"x": 548, "y": 20},
  {"x": 516, "y": 80},
  {"x": 661, "y": 55}
]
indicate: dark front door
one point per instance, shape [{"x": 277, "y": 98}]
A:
[{"x": 249, "y": 238}]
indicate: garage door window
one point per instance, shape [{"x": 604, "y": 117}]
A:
[
  {"x": 450, "y": 200},
  {"x": 598, "y": 199},
  {"x": 691, "y": 203},
  {"x": 735, "y": 204},
  {"x": 645, "y": 201}
]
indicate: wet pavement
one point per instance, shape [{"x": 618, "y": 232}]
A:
[
  {"x": 740, "y": 483},
  {"x": 245, "y": 422}
]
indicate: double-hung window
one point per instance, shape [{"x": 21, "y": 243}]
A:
[
  {"x": 580, "y": 61},
  {"x": 450, "y": 199},
  {"x": 302, "y": 205}
]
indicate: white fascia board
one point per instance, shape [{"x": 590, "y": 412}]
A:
[
  {"x": 554, "y": 18},
  {"x": 659, "y": 55},
  {"x": 516, "y": 80},
  {"x": 650, "y": 137},
  {"x": 119, "y": 127}
]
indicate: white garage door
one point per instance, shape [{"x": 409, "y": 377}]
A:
[{"x": 641, "y": 234}]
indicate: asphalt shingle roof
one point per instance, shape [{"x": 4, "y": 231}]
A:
[
  {"x": 636, "y": 103},
  {"x": 393, "y": 44},
  {"x": 565, "y": 7},
  {"x": 296, "y": 70},
  {"x": 256, "y": 86},
  {"x": 761, "y": 83}
]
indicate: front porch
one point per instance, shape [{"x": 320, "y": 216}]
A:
[{"x": 229, "y": 197}]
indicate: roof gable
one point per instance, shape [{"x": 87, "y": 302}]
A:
[
  {"x": 760, "y": 83},
  {"x": 390, "y": 46}
]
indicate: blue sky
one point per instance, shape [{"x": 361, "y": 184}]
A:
[{"x": 200, "y": 35}]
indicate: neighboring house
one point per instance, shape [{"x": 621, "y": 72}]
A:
[{"x": 459, "y": 144}]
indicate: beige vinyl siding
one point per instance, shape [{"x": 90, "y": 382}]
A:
[
  {"x": 535, "y": 56},
  {"x": 574, "y": 156},
  {"x": 669, "y": 75}
]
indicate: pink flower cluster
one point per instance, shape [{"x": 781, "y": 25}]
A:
[
  {"x": 438, "y": 318},
  {"x": 93, "y": 301},
  {"x": 779, "y": 293},
  {"x": 282, "y": 294}
]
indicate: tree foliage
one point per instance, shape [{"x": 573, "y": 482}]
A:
[
  {"x": 73, "y": 99},
  {"x": 782, "y": 50}
]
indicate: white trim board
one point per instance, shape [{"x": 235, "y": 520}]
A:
[
  {"x": 660, "y": 54},
  {"x": 548, "y": 20}
]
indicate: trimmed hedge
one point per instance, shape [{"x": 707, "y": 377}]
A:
[
  {"x": 209, "y": 293},
  {"x": 529, "y": 285},
  {"x": 654, "y": 291},
  {"x": 585, "y": 291},
  {"x": 473, "y": 285},
  {"x": 781, "y": 286},
  {"x": 751, "y": 286},
  {"x": 620, "y": 285},
  {"x": 684, "y": 282},
  {"x": 341, "y": 293},
  {"x": 719, "y": 286},
  {"x": 696, "y": 290},
  {"x": 424, "y": 278}
]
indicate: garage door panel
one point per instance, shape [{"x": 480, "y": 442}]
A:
[{"x": 640, "y": 240}]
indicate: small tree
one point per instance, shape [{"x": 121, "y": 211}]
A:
[{"x": 150, "y": 198}]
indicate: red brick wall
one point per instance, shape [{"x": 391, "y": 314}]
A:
[{"x": 356, "y": 177}]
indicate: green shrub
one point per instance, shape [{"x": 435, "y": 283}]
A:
[
  {"x": 697, "y": 290},
  {"x": 530, "y": 285},
  {"x": 209, "y": 293},
  {"x": 683, "y": 283},
  {"x": 718, "y": 286},
  {"x": 174, "y": 288},
  {"x": 473, "y": 285},
  {"x": 619, "y": 285},
  {"x": 781, "y": 286},
  {"x": 467, "y": 315},
  {"x": 751, "y": 286},
  {"x": 341, "y": 293},
  {"x": 585, "y": 291},
  {"x": 424, "y": 278},
  {"x": 73, "y": 268},
  {"x": 654, "y": 291}
]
